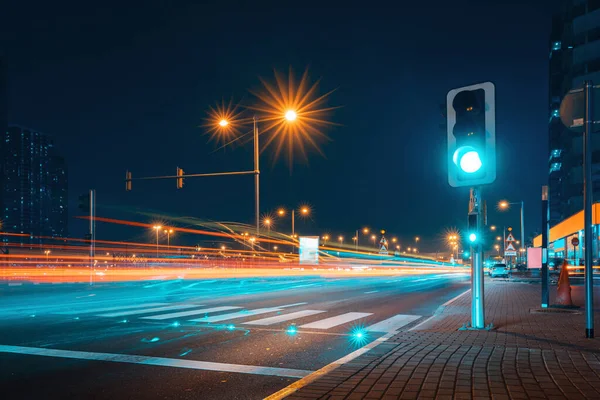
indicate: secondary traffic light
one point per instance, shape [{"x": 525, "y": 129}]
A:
[
  {"x": 473, "y": 229},
  {"x": 179, "y": 180},
  {"x": 471, "y": 135},
  {"x": 128, "y": 181}
]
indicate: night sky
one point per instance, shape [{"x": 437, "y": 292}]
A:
[{"x": 125, "y": 85}]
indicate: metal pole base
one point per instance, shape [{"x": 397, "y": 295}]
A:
[
  {"x": 589, "y": 333},
  {"x": 466, "y": 327}
]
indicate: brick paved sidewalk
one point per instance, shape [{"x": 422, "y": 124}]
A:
[{"x": 528, "y": 355}]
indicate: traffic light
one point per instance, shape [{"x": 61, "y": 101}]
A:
[
  {"x": 84, "y": 202},
  {"x": 179, "y": 180},
  {"x": 128, "y": 181},
  {"x": 472, "y": 229},
  {"x": 471, "y": 135}
]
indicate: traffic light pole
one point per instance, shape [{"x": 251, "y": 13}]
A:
[{"x": 476, "y": 222}]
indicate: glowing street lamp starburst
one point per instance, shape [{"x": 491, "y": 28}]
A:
[
  {"x": 224, "y": 122},
  {"x": 293, "y": 113}
]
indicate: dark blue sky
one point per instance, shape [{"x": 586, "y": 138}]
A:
[{"x": 124, "y": 85}]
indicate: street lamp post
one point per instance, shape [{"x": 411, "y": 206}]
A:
[
  {"x": 341, "y": 239},
  {"x": 157, "y": 228},
  {"x": 304, "y": 211},
  {"x": 168, "y": 232}
]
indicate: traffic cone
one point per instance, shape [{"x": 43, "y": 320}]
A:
[{"x": 563, "y": 295}]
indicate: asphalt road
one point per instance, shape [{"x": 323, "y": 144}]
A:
[{"x": 204, "y": 339}]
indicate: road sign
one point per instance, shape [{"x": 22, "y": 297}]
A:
[
  {"x": 575, "y": 242},
  {"x": 383, "y": 245},
  {"x": 510, "y": 250},
  {"x": 510, "y": 238}
]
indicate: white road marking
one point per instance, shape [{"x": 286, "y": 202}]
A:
[
  {"x": 284, "y": 317},
  {"x": 192, "y": 312},
  {"x": 372, "y": 291},
  {"x": 393, "y": 324},
  {"x": 95, "y": 310},
  {"x": 235, "y": 315},
  {"x": 158, "y": 361},
  {"x": 292, "y": 305},
  {"x": 149, "y": 310},
  {"x": 335, "y": 321}
]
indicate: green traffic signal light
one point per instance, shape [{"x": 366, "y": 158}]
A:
[
  {"x": 471, "y": 135},
  {"x": 472, "y": 237},
  {"x": 467, "y": 159}
]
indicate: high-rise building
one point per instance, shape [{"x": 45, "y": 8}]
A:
[
  {"x": 574, "y": 58},
  {"x": 3, "y": 127},
  {"x": 35, "y": 186}
]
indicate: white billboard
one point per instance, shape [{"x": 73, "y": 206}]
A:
[{"x": 309, "y": 250}]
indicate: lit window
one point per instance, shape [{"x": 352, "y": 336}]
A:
[
  {"x": 555, "y": 166},
  {"x": 556, "y": 153},
  {"x": 556, "y": 46},
  {"x": 556, "y": 113}
]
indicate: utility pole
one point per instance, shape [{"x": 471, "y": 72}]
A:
[
  {"x": 256, "y": 179},
  {"x": 92, "y": 226},
  {"x": 587, "y": 209}
]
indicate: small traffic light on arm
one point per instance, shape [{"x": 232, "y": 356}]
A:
[
  {"x": 179, "y": 180},
  {"x": 471, "y": 135},
  {"x": 128, "y": 181}
]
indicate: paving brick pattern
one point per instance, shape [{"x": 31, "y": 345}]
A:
[{"x": 528, "y": 355}]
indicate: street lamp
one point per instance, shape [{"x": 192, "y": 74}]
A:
[
  {"x": 341, "y": 239},
  {"x": 374, "y": 239},
  {"x": 157, "y": 228},
  {"x": 47, "y": 252},
  {"x": 325, "y": 239},
  {"x": 224, "y": 125},
  {"x": 497, "y": 247},
  {"x": 303, "y": 210},
  {"x": 505, "y": 205},
  {"x": 168, "y": 232}
]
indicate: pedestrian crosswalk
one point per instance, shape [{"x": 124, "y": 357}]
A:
[{"x": 296, "y": 314}]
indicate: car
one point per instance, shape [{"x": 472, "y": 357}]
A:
[
  {"x": 499, "y": 270},
  {"x": 554, "y": 263}
]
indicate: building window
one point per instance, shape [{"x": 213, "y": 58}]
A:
[
  {"x": 555, "y": 113},
  {"x": 556, "y": 46},
  {"x": 555, "y": 167},
  {"x": 555, "y": 153}
]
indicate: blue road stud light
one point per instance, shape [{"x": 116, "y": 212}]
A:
[
  {"x": 471, "y": 135},
  {"x": 291, "y": 330}
]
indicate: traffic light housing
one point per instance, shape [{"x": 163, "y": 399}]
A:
[
  {"x": 179, "y": 178},
  {"x": 128, "y": 181},
  {"x": 471, "y": 128},
  {"x": 473, "y": 229}
]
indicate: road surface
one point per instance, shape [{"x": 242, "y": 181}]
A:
[{"x": 199, "y": 339}]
